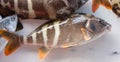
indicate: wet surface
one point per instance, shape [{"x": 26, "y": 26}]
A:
[{"x": 104, "y": 49}]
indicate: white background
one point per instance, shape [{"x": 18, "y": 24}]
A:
[{"x": 100, "y": 50}]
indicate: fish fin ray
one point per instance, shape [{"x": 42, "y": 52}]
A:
[
  {"x": 85, "y": 34},
  {"x": 43, "y": 52},
  {"x": 13, "y": 42},
  {"x": 106, "y": 4},
  {"x": 95, "y": 5}
]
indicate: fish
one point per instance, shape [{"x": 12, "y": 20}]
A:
[
  {"x": 115, "y": 6},
  {"x": 40, "y": 9},
  {"x": 9, "y": 23},
  {"x": 96, "y": 4},
  {"x": 5, "y": 12},
  {"x": 78, "y": 29}
]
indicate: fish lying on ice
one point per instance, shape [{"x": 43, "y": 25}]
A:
[
  {"x": 39, "y": 9},
  {"x": 77, "y": 30},
  {"x": 43, "y": 9}
]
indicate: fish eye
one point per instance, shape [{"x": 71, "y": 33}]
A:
[{"x": 92, "y": 26}]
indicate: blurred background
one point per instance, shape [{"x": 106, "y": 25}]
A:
[{"x": 104, "y": 49}]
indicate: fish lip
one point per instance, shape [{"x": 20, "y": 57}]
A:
[{"x": 109, "y": 27}]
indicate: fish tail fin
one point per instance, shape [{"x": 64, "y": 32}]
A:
[
  {"x": 19, "y": 26},
  {"x": 106, "y": 4},
  {"x": 13, "y": 41},
  {"x": 95, "y": 5}
]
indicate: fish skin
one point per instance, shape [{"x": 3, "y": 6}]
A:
[
  {"x": 115, "y": 6},
  {"x": 77, "y": 30},
  {"x": 41, "y": 9},
  {"x": 96, "y": 4}
]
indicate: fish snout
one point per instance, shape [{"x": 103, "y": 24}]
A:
[{"x": 108, "y": 27}]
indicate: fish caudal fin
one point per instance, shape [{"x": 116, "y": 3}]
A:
[
  {"x": 106, "y": 4},
  {"x": 95, "y": 5},
  {"x": 13, "y": 41},
  {"x": 43, "y": 52}
]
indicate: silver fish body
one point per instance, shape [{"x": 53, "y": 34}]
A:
[
  {"x": 76, "y": 30},
  {"x": 43, "y": 9}
]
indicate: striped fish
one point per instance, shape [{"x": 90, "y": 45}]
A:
[
  {"x": 76, "y": 30},
  {"x": 115, "y": 6},
  {"x": 43, "y": 9}
]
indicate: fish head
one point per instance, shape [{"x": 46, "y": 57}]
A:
[
  {"x": 88, "y": 28},
  {"x": 97, "y": 26}
]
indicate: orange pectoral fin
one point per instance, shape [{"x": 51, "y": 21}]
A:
[
  {"x": 43, "y": 52},
  {"x": 85, "y": 34},
  {"x": 95, "y": 5}
]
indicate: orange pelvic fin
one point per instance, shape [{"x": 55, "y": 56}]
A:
[
  {"x": 43, "y": 52},
  {"x": 13, "y": 41}
]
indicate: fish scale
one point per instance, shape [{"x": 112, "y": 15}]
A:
[
  {"x": 73, "y": 31},
  {"x": 42, "y": 9}
]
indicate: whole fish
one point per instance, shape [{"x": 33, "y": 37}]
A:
[
  {"x": 42, "y": 9},
  {"x": 115, "y": 6},
  {"x": 96, "y": 4},
  {"x": 74, "y": 31},
  {"x": 9, "y": 23}
]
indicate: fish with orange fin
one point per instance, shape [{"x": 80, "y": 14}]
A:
[
  {"x": 76, "y": 30},
  {"x": 39, "y": 9},
  {"x": 97, "y": 3}
]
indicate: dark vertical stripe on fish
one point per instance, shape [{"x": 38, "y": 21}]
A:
[
  {"x": 39, "y": 9},
  {"x": 23, "y": 7},
  {"x": 29, "y": 40},
  {"x": 40, "y": 39}
]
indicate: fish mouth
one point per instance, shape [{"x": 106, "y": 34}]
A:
[{"x": 108, "y": 27}]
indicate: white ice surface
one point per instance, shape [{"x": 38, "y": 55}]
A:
[{"x": 100, "y": 50}]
